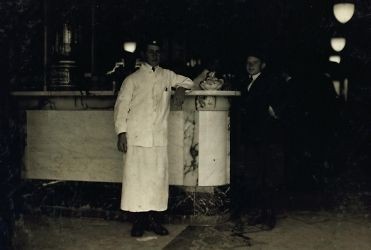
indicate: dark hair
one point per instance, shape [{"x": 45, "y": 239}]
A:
[
  {"x": 256, "y": 53},
  {"x": 152, "y": 41}
]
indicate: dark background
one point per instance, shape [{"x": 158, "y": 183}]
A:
[{"x": 294, "y": 34}]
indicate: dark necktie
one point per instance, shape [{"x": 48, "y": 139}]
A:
[
  {"x": 249, "y": 82},
  {"x": 153, "y": 69}
]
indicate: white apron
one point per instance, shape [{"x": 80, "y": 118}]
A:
[
  {"x": 145, "y": 184},
  {"x": 141, "y": 110}
]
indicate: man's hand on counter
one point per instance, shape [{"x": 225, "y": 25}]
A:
[
  {"x": 122, "y": 145},
  {"x": 179, "y": 96}
]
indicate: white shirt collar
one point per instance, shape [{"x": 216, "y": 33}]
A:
[
  {"x": 147, "y": 66},
  {"x": 253, "y": 80},
  {"x": 256, "y": 76}
]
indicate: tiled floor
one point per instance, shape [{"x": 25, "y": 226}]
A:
[{"x": 300, "y": 230}]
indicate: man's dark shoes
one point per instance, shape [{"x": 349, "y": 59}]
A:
[
  {"x": 270, "y": 220},
  {"x": 266, "y": 218},
  {"x": 137, "y": 230},
  {"x": 156, "y": 227},
  {"x": 258, "y": 218},
  {"x": 140, "y": 220}
]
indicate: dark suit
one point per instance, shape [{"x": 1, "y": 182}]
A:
[{"x": 260, "y": 170}]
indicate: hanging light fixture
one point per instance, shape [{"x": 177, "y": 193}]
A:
[
  {"x": 343, "y": 11},
  {"x": 338, "y": 43},
  {"x": 130, "y": 46},
  {"x": 335, "y": 58}
]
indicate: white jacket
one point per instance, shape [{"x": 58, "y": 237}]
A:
[{"x": 143, "y": 105}]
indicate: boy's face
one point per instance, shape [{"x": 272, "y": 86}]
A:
[
  {"x": 254, "y": 65},
  {"x": 152, "y": 55}
]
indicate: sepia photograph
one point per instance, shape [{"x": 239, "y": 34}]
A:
[{"x": 185, "y": 124}]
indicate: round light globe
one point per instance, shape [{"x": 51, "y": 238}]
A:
[
  {"x": 343, "y": 11},
  {"x": 338, "y": 43},
  {"x": 130, "y": 46},
  {"x": 335, "y": 58}
]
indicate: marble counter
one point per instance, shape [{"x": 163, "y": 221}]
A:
[
  {"x": 75, "y": 140},
  {"x": 70, "y": 137}
]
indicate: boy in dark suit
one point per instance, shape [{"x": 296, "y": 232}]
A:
[{"x": 261, "y": 154}]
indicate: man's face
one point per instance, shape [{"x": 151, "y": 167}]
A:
[
  {"x": 254, "y": 65},
  {"x": 152, "y": 55}
]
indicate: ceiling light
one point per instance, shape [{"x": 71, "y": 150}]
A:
[
  {"x": 338, "y": 43},
  {"x": 343, "y": 11}
]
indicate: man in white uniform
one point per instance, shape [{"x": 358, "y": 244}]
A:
[{"x": 141, "y": 119}]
